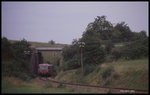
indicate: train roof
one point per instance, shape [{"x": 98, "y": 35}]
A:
[{"x": 45, "y": 64}]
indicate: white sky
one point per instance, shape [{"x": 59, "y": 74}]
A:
[{"x": 65, "y": 21}]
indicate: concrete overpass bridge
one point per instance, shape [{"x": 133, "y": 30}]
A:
[{"x": 37, "y": 57}]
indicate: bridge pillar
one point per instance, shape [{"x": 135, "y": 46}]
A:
[{"x": 35, "y": 60}]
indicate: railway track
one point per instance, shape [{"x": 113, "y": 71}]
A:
[{"x": 97, "y": 88}]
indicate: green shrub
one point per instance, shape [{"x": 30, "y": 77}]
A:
[
  {"x": 71, "y": 64},
  {"x": 7, "y": 51},
  {"x": 106, "y": 72},
  {"x": 22, "y": 76},
  {"x": 116, "y": 53},
  {"x": 135, "y": 49},
  {"x": 18, "y": 62},
  {"x": 93, "y": 51},
  {"x": 88, "y": 69},
  {"x": 109, "y": 58}
]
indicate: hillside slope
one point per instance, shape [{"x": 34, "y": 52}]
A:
[{"x": 125, "y": 74}]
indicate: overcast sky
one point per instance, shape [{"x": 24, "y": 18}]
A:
[{"x": 65, "y": 21}]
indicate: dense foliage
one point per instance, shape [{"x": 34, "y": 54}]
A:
[
  {"x": 120, "y": 32},
  {"x": 93, "y": 51},
  {"x": 71, "y": 56},
  {"x": 51, "y": 42},
  {"x": 6, "y": 49},
  {"x": 14, "y": 61},
  {"x": 135, "y": 50}
]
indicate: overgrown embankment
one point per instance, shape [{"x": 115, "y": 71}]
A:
[{"x": 131, "y": 74}]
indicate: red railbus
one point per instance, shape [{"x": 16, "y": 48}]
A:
[{"x": 45, "y": 69}]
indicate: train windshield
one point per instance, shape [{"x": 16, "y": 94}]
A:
[{"x": 43, "y": 67}]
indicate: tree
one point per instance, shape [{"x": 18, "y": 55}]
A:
[
  {"x": 142, "y": 34},
  {"x": 126, "y": 33},
  {"x": 136, "y": 49},
  {"x": 108, "y": 46},
  {"x": 19, "y": 62},
  {"x": 121, "y": 32},
  {"x": 93, "y": 52},
  {"x": 7, "y": 51},
  {"x": 71, "y": 57},
  {"x": 51, "y": 42},
  {"x": 19, "y": 55},
  {"x": 101, "y": 27},
  {"x": 116, "y": 53},
  {"x": 74, "y": 42}
]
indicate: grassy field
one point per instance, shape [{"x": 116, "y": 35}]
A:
[
  {"x": 41, "y": 44},
  {"x": 131, "y": 74}
]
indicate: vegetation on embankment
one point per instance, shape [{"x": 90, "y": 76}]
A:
[
  {"x": 15, "y": 61},
  {"x": 16, "y": 85},
  {"x": 132, "y": 74}
]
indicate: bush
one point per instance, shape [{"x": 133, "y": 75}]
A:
[
  {"x": 135, "y": 49},
  {"x": 88, "y": 69},
  {"x": 69, "y": 52},
  {"x": 11, "y": 69},
  {"x": 6, "y": 49},
  {"x": 71, "y": 64},
  {"x": 93, "y": 51},
  {"x": 132, "y": 50},
  {"x": 108, "y": 46},
  {"x": 106, "y": 72},
  {"x": 22, "y": 76},
  {"x": 116, "y": 53},
  {"x": 109, "y": 58}
]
